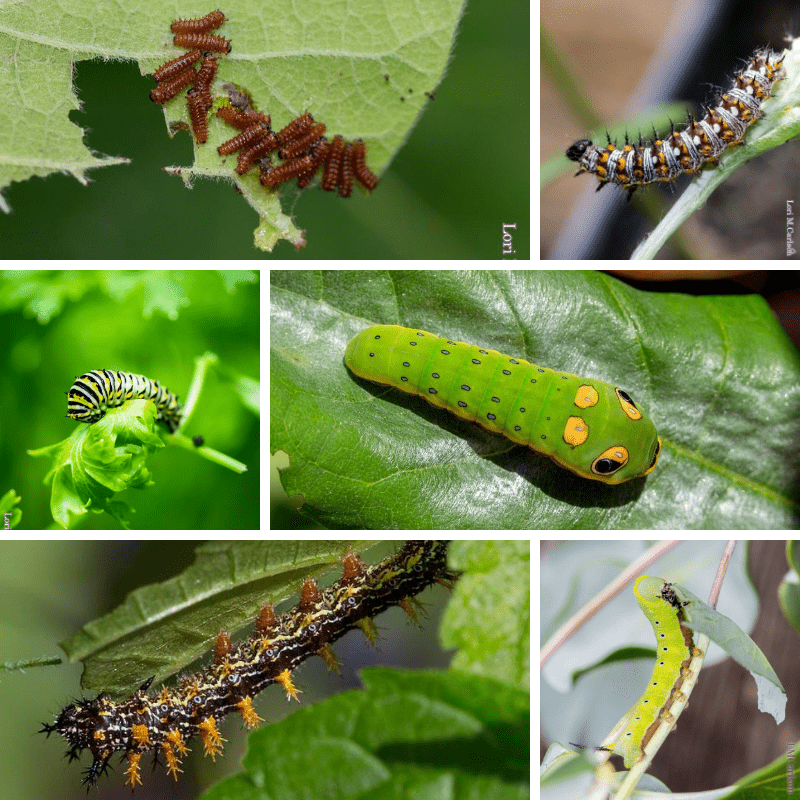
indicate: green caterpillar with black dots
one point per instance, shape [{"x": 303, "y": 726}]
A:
[{"x": 585, "y": 425}]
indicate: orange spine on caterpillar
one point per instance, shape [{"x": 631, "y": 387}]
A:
[{"x": 167, "y": 721}]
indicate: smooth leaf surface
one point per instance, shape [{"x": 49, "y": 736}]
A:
[
  {"x": 304, "y": 56},
  {"x": 717, "y": 375}
]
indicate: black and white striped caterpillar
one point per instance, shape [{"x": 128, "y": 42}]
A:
[
  {"x": 701, "y": 141},
  {"x": 96, "y": 391}
]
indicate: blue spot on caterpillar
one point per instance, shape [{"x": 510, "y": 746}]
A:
[
  {"x": 587, "y": 426},
  {"x": 700, "y": 142}
]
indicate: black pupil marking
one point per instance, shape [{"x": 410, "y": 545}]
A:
[{"x": 172, "y": 717}]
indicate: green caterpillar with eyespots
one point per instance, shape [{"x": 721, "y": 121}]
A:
[{"x": 587, "y": 426}]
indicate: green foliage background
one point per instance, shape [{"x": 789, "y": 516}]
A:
[
  {"x": 454, "y": 177},
  {"x": 57, "y": 324},
  {"x": 469, "y": 729}
]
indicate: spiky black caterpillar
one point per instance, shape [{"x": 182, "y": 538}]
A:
[
  {"x": 165, "y": 722},
  {"x": 701, "y": 141}
]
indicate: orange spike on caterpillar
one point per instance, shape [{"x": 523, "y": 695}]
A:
[
  {"x": 222, "y": 646},
  {"x": 166, "y": 721}
]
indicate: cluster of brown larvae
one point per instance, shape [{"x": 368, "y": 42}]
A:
[{"x": 301, "y": 145}]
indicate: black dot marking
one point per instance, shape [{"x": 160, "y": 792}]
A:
[
  {"x": 434, "y": 374},
  {"x": 406, "y": 364},
  {"x": 491, "y": 416},
  {"x": 413, "y": 344},
  {"x": 522, "y": 410},
  {"x": 513, "y": 361},
  {"x": 517, "y": 428},
  {"x": 495, "y": 399},
  {"x": 445, "y": 352},
  {"x": 462, "y": 404},
  {"x": 475, "y": 361},
  {"x": 404, "y": 379},
  {"x": 372, "y": 355},
  {"x": 432, "y": 391},
  {"x": 506, "y": 372},
  {"x": 466, "y": 388},
  {"x": 533, "y": 380}
]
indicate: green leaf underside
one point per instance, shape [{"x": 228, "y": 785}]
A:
[
  {"x": 164, "y": 627},
  {"x": 291, "y": 59},
  {"x": 407, "y": 735}
]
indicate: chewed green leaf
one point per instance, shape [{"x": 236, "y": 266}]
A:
[
  {"x": 740, "y": 647},
  {"x": 365, "y": 75}
]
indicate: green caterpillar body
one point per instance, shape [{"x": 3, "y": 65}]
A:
[
  {"x": 675, "y": 648},
  {"x": 585, "y": 425}
]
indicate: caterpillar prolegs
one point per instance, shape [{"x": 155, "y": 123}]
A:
[
  {"x": 699, "y": 142},
  {"x": 166, "y": 721}
]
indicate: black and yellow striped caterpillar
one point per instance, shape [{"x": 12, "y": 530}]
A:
[{"x": 93, "y": 393}]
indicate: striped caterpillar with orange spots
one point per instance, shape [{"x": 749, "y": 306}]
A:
[
  {"x": 700, "y": 142},
  {"x": 167, "y": 721}
]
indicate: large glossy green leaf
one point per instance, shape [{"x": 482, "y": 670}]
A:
[{"x": 717, "y": 375}]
